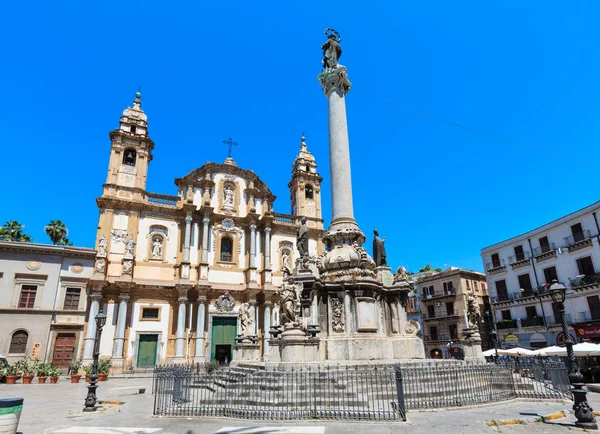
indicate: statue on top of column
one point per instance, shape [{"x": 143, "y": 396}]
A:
[
  {"x": 302, "y": 239},
  {"x": 379, "y": 250},
  {"x": 332, "y": 50}
]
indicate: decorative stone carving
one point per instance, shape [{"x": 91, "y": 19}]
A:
[
  {"x": 473, "y": 311},
  {"x": 100, "y": 265},
  {"x": 157, "y": 247},
  {"x": 127, "y": 267},
  {"x": 225, "y": 303},
  {"x": 285, "y": 259},
  {"x": 102, "y": 246},
  {"x": 337, "y": 315},
  {"x": 246, "y": 319},
  {"x": 33, "y": 264},
  {"x": 302, "y": 239},
  {"x": 77, "y": 268},
  {"x": 228, "y": 196},
  {"x": 129, "y": 248},
  {"x": 118, "y": 235},
  {"x": 335, "y": 81},
  {"x": 289, "y": 306},
  {"x": 401, "y": 275},
  {"x": 412, "y": 327}
]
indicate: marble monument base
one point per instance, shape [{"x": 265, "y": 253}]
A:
[
  {"x": 294, "y": 346},
  {"x": 373, "y": 348},
  {"x": 472, "y": 347},
  {"x": 246, "y": 351}
]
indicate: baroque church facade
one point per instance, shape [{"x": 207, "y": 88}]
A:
[{"x": 172, "y": 272}]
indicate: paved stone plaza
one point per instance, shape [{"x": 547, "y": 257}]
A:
[{"x": 57, "y": 409}]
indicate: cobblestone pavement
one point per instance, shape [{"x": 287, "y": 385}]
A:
[{"x": 50, "y": 408}]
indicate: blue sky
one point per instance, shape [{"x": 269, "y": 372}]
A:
[{"x": 524, "y": 71}]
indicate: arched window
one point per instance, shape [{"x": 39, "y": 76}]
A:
[
  {"x": 226, "y": 249},
  {"x": 308, "y": 192},
  {"x": 18, "y": 342},
  {"x": 157, "y": 246},
  {"x": 129, "y": 157}
]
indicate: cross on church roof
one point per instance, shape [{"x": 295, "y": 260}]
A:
[{"x": 231, "y": 143}]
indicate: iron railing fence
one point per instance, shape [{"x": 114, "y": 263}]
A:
[
  {"x": 296, "y": 393},
  {"x": 358, "y": 392}
]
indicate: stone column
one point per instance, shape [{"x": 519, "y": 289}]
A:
[
  {"x": 347, "y": 312},
  {"x": 180, "y": 337},
  {"x": 266, "y": 329},
  {"x": 252, "y": 246},
  {"x": 254, "y": 304},
  {"x": 90, "y": 336},
  {"x": 267, "y": 248},
  {"x": 200, "y": 328},
  {"x": 188, "y": 236},
  {"x": 314, "y": 306},
  {"x": 205, "y": 223},
  {"x": 336, "y": 84},
  {"x": 121, "y": 322}
]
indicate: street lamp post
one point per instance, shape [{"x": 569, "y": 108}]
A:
[
  {"x": 493, "y": 333},
  {"x": 90, "y": 399},
  {"x": 581, "y": 407}
]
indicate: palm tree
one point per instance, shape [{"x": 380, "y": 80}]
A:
[
  {"x": 65, "y": 242},
  {"x": 13, "y": 231},
  {"x": 56, "y": 230}
]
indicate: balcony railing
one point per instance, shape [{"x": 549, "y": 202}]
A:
[
  {"x": 506, "y": 324},
  {"x": 578, "y": 237},
  {"x": 162, "y": 200},
  {"x": 544, "y": 251},
  {"x": 444, "y": 293},
  {"x": 532, "y": 322},
  {"x": 441, "y": 314},
  {"x": 592, "y": 315},
  {"x": 438, "y": 337},
  {"x": 552, "y": 320},
  {"x": 495, "y": 266},
  {"x": 583, "y": 280},
  {"x": 518, "y": 261},
  {"x": 284, "y": 218}
]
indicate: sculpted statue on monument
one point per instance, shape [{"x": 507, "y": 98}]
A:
[
  {"x": 332, "y": 50},
  {"x": 290, "y": 299},
  {"x": 379, "y": 250},
  {"x": 246, "y": 319},
  {"x": 302, "y": 239},
  {"x": 474, "y": 311}
]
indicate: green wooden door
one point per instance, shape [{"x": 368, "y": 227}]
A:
[
  {"x": 222, "y": 338},
  {"x": 147, "y": 351}
]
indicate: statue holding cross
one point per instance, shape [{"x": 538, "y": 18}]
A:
[{"x": 231, "y": 143}]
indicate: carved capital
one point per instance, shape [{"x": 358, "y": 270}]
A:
[
  {"x": 267, "y": 230},
  {"x": 124, "y": 297},
  {"x": 335, "y": 80},
  {"x": 253, "y": 227},
  {"x": 206, "y": 221}
]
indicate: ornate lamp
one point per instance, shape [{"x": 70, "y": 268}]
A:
[
  {"x": 90, "y": 400},
  {"x": 583, "y": 411}
]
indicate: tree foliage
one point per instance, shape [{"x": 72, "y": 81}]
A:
[
  {"x": 57, "y": 231},
  {"x": 13, "y": 231},
  {"x": 427, "y": 267}
]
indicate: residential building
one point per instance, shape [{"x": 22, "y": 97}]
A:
[
  {"x": 444, "y": 306},
  {"x": 43, "y": 300},
  {"x": 173, "y": 270},
  {"x": 520, "y": 269},
  {"x": 413, "y": 306}
]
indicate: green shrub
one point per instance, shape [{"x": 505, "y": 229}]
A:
[{"x": 104, "y": 366}]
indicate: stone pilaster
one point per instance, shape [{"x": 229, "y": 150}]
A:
[
  {"x": 200, "y": 329},
  {"x": 120, "y": 331},
  {"x": 180, "y": 336},
  {"x": 205, "y": 223},
  {"x": 267, "y": 248},
  {"x": 252, "y": 246},
  {"x": 266, "y": 331},
  {"x": 90, "y": 336}
]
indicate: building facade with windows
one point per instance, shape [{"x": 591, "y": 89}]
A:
[
  {"x": 43, "y": 300},
  {"x": 172, "y": 271},
  {"x": 444, "y": 305},
  {"x": 520, "y": 269}
]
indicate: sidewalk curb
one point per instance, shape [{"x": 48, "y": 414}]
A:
[{"x": 527, "y": 420}]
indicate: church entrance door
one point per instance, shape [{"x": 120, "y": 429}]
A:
[
  {"x": 222, "y": 338},
  {"x": 147, "y": 351}
]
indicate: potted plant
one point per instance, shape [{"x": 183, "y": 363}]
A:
[
  {"x": 11, "y": 372},
  {"x": 88, "y": 371},
  {"x": 53, "y": 373},
  {"x": 74, "y": 368},
  {"x": 27, "y": 367},
  {"x": 104, "y": 366},
  {"x": 42, "y": 372}
]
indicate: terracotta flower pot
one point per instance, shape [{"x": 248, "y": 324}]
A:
[
  {"x": 87, "y": 378},
  {"x": 11, "y": 379},
  {"x": 41, "y": 380},
  {"x": 53, "y": 380},
  {"x": 75, "y": 378},
  {"x": 27, "y": 379},
  {"x": 102, "y": 377}
]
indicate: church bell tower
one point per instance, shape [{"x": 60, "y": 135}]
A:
[
  {"x": 131, "y": 151},
  {"x": 305, "y": 186}
]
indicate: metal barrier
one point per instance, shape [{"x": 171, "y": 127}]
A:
[{"x": 361, "y": 392}]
